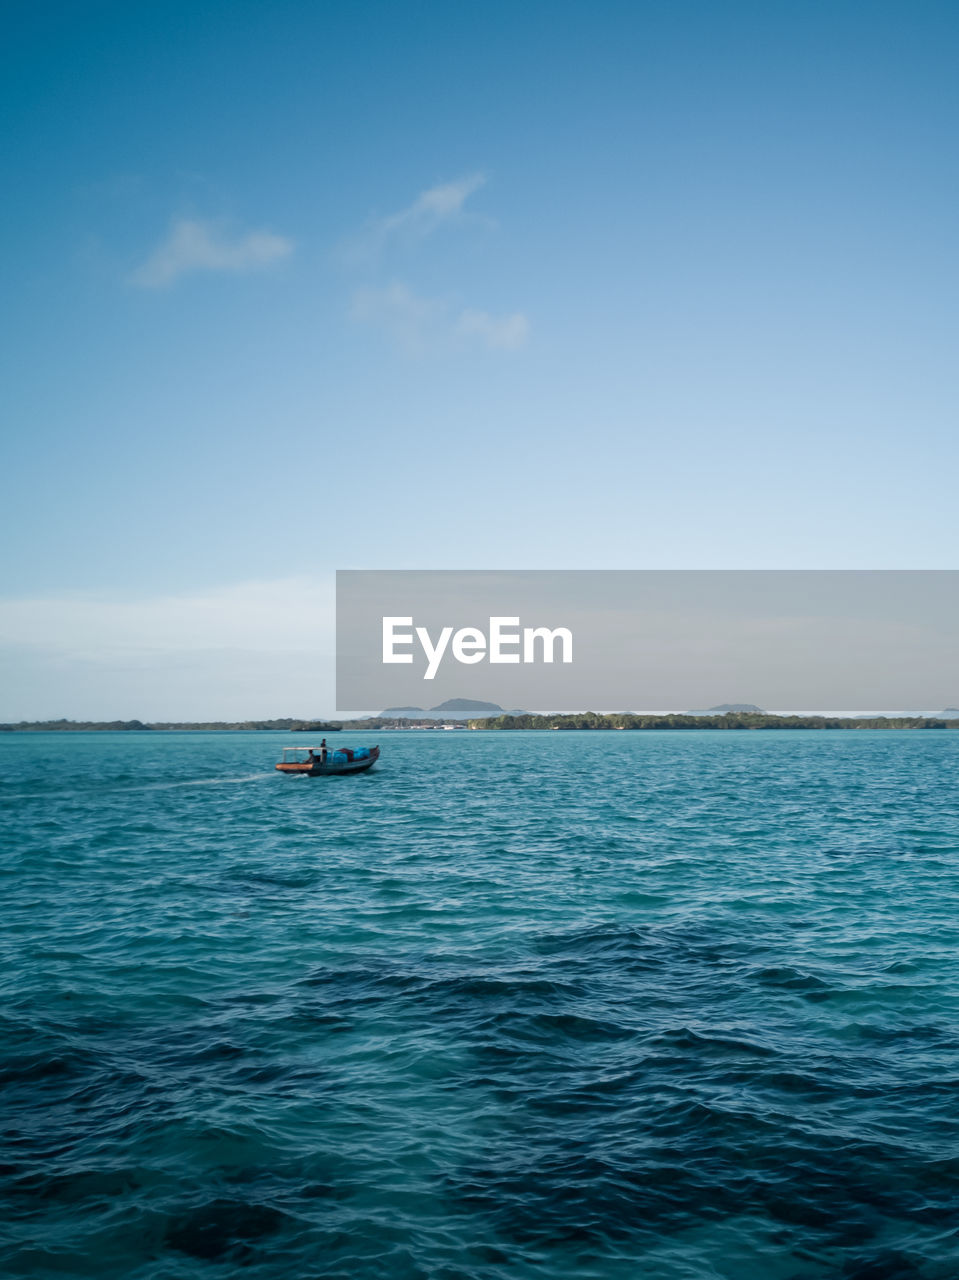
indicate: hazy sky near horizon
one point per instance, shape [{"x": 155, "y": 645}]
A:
[{"x": 299, "y": 287}]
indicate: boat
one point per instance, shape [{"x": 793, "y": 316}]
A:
[{"x": 314, "y": 762}]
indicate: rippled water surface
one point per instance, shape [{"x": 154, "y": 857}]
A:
[{"x": 511, "y": 1006}]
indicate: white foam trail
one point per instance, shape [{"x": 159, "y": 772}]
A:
[{"x": 202, "y": 782}]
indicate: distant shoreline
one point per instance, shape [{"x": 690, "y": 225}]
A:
[
  {"x": 730, "y": 720},
  {"x": 184, "y": 726},
  {"x": 586, "y": 720}
]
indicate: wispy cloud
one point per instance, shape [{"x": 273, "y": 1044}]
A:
[
  {"x": 430, "y": 210},
  {"x": 196, "y": 245},
  {"x": 416, "y": 323},
  {"x": 419, "y": 325},
  {"x": 506, "y": 332},
  {"x": 432, "y": 207},
  {"x": 411, "y": 321}
]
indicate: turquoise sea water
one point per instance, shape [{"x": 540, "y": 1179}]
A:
[{"x": 512, "y": 1006}]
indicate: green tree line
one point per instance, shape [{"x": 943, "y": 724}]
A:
[{"x": 731, "y": 720}]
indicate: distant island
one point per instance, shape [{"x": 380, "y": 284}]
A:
[
  {"x": 395, "y": 718},
  {"x": 725, "y": 707},
  {"x": 452, "y": 709},
  {"x": 728, "y": 720},
  {"x": 114, "y": 726}
]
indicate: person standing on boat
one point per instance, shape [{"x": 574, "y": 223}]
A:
[{"x": 323, "y": 752}]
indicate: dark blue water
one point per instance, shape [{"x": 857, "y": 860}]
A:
[{"x": 511, "y": 1006}]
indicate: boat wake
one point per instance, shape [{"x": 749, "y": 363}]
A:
[{"x": 207, "y": 782}]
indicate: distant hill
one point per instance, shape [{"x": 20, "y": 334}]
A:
[
  {"x": 463, "y": 709},
  {"x": 452, "y": 709},
  {"x": 725, "y": 708},
  {"x": 950, "y": 713}
]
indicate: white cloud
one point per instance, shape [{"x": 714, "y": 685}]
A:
[
  {"x": 413, "y": 323},
  {"x": 506, "y": 332},
  {"x": 418, "y": 324},
  {"x": 429, "y": 211},
  {"x": 195, "y": 245},
  {"x": 434, "y": 206}
]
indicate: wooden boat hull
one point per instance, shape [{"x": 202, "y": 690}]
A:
[{"x": 314, "y": 769}]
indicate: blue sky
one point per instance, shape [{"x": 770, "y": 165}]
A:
[{"x": 304, "y": 286}]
